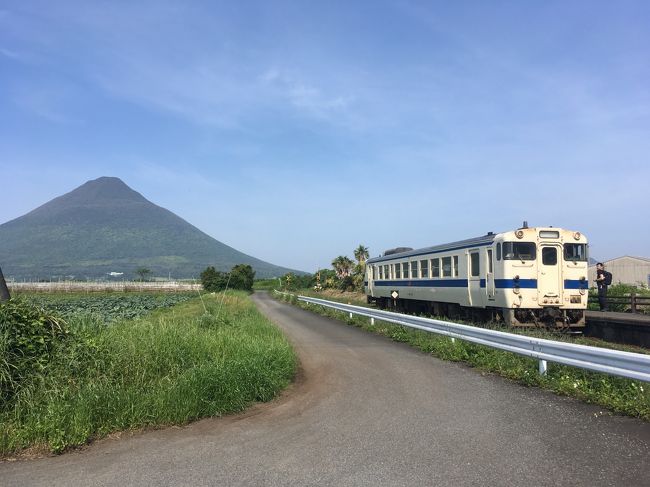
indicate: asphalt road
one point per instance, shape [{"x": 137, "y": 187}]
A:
[{"x": 368, "y": 411}]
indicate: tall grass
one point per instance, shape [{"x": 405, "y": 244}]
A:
[{"x": 170, "y": 367}]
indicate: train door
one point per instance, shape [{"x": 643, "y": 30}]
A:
[
  {"x": 549, "y": 274},
  {"x": 370, "y": 279},
  {"x": 474, "y": 278},
  {"x": 489, "y": 276}
]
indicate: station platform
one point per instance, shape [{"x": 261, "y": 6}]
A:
[{"x": 629, "y": 328}]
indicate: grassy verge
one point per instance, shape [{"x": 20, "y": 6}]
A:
[
  {"x": 624, "y": 396},
  {"x": 172, "y": 366}
]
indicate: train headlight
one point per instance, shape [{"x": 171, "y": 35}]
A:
[
  {"x": 577, "y": 235},
  {"x": 519, "y": 234}
]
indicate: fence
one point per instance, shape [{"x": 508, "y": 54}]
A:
[
  {"x": 122, "y": 286},
  {"x": 628, "y": 304},
  {"x": 614, "y": 362}
]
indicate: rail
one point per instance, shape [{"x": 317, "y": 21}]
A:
[{"x": 614, "y": 362}]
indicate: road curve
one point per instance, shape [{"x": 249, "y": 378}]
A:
[{"x": 368, "y": 411}]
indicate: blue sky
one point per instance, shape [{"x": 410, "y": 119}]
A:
[{"x": 295, "y": 131}]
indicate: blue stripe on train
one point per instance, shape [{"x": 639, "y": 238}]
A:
[
  {"x": 576, "y": 284},
  {"x": 498, "y": 283}
]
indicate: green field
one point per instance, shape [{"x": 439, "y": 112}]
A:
[{"x": 105, "y": 373}]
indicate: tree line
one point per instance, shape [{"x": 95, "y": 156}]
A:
[
  {"x": 241, "y": 277},
  {"x": 346, "y": 274}
]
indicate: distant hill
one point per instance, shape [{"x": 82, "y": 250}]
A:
[{"x": 104, "y": 226}]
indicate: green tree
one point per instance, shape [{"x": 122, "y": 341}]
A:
[
  {"x": 242, "y": 277},
  {"x": 143, "y": 273},
  {"x": 327, "y": 278},
  {"x": 213, "y": 280},
  {"x": 361, "y": 254},
  {"x": 342, "y": 266}
]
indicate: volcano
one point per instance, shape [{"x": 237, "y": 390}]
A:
[{"x": 105, "y": 227}]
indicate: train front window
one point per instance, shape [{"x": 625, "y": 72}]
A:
[
  {"x": 519, "y": 251},
  {"x": 575, "y": 252},
  {"x": 549, "y": 256}
]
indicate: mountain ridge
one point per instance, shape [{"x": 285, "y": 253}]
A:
[{"x": 105, "y": 226}]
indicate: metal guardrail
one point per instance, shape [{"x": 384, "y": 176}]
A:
[{"x": 614, "y": 362}]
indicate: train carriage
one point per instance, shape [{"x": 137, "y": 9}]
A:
[{"x": 524, "y": 277}]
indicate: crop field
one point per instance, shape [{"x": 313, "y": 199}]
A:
[
  {"x": 105, "y": 307},
  {"x": 67, "y": 378}
]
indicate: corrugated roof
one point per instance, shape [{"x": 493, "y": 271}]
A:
[{"x": 644, "y": 260}]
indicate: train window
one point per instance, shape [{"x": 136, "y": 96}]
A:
[
  {"x": 435, "y": 268},
  {"x": 405, "y": 270},
  {"x": 381, "y": 272},
  {"x": 455, "y": 267},
  {"x": 446, "y": 267},
  {"x": 474, "y": 264},
  {"x": 386, "y": 272},
  {"x": 489, "y": 259},
  {"x": 519, "y": 251},
  {"x": 414, "y": 269},
  {"x": 499, "y": 251},
  {"x": 398, "y": 271},
  {"x": 575, "y": 252},
  {"x": 424, "y": 268},
  {"x": 549, "y": 255}
]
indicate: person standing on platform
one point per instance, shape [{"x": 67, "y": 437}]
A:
[{"x": 603, "y": 280}]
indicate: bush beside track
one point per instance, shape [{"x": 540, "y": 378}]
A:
[
  {"x": 198, "y": 359},
  {"x": 624, "y": 396}
]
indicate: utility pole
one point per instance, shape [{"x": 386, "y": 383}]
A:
[{"x": 4, "y": 291}]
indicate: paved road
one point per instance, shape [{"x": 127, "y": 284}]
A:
[{"x": 367, "y": 411}]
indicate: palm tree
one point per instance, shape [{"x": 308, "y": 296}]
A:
[
  {"x": 342, "y": 265},
  {"x": 361, "y": 254}
]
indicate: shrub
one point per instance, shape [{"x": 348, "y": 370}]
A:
[{"x": 28, "y": 341}]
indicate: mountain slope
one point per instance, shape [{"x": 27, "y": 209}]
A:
[{"x": 105, "y": 226}]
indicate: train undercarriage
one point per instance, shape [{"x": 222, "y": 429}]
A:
[{"x": 550, "y": 318}]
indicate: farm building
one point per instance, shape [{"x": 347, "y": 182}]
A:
[{"x": 626, "y": 269}]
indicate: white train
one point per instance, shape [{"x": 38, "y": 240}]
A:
[{"x": 524, "y": 277}]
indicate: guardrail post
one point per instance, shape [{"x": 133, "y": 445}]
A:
[
  {"x": 633, "y": 302},
  {"x": 543, "y": 367},
  {"x": 372, "y": 321},
  {"x": 453, "y": 340}
]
